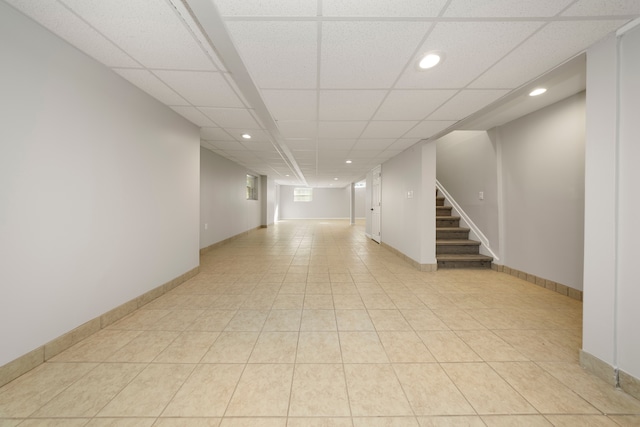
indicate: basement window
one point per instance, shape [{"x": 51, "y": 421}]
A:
[
  {"x": 252, "y": 187},
  {"x": 302, "y": 194}
]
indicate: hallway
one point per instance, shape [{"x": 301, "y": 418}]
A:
[{"x": 309, "y": 323}]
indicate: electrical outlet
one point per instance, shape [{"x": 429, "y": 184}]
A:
[
  {"x": 206, "y": 226},
  {"x": 481, "y": 195}
]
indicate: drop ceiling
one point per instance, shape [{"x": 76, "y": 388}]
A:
[{"x": 319, "y": 82}]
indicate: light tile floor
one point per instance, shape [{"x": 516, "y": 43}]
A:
[{"x": 311, "y": 324}]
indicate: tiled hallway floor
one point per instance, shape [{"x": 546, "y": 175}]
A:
[{"x": 311, "y": 324}]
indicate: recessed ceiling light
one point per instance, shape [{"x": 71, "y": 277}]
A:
[
  {"x": 287, "y": 175},
  {"x": 349, "y": 161},
  {"x": 429, "y": 60},
  {"x": 335, "y": 179},
  {"x": 538, "y": 91},
  {"x": 246, "y": 136}
]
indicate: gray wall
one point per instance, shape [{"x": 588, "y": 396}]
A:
[
  {"x": 224, "y": 208},
  {"x": 98, "y": 189},
  {"x": 327, "y": 203}
]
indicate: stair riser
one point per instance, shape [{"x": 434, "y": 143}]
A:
[
  {"x": 452, "y": 234},
  {"x": 457, "y": 249},
  {"x": 447, "y": 222},
  {"x": 443, "y": 210},
  {"x": 464, "y": 264},
  {"x": 439, "y": 201}
]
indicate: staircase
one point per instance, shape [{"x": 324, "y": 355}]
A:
[{"x": 453, "y": 247}]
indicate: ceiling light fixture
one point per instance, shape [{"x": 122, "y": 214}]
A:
[
  {"x": 430, "y": 60},
  {"x": 335, "y": 179},
  {"x": 246, "y": 136},
  {"x": 538, "y": 91},
  {"x": 349, "y": 161}
]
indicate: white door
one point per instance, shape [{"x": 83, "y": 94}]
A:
[{"x": 376, "y": 203}]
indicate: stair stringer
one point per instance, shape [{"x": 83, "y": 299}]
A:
[{"x": 474, "y": 231}]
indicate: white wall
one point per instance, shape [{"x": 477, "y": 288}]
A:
[
  {"x": 224, "y": 208},
  {"x": 543, "y": 190},
  {"x": 98, "y": 188},
  {"x": 611, "y": 292},
  {"x": 327, "y": 203},
  {"x": 466, "y": 165},
  {"x": 360, "y": 199},
  {"x": 271, "y": 200}
]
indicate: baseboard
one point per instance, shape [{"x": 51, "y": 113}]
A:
[
  {"x": 413, "y": 262},
  {"x": 613, "y": 376},
  {"x": 540, "y": 281},
  {"x": 27, "y": 362},
  {"x": 229, "y": 239}
]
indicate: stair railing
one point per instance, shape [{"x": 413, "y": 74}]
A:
[{"x": 472, "y": 226}]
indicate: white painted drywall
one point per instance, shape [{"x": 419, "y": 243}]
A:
[
  {"x": 224, "y": 207},
  {"x": 360, "y": 202},
  {"x": 99, "y": 189},
  {"x": 466, "y": 166},
  {"x": 327, "y": 203},
  {"x": 600, "y": 202},
  {"x": 271, "y": 200},
  {"x": 543, "y": 190}
]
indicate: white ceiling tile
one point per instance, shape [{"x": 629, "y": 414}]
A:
[
  {"x": 373, "y": 144},
  {"x": 505, "y": 8},
  {"x": 542, "y": 52},
  {"x": 357, "y": 155},
  {"x": 340, "y": 129},
  {"x": 60, "y": 20},
  {"x": 425, "y": 129},
  {"x": 214, "y": 134},
  {"x": 412, "y": 104},
  {"x": 382, "y": 8},
  {"x": 603, "y": 8},
  {"x": 466, "y": 103},
  {"x": 297, "y": 128},
  {"x": 404, "y": 143},
  {"x": 367, "y": 55},
  {"x": 270, "y": 56},
  {"x": 193, "y": 115},
  {"x": 469, "y": 48},
  {"x": 349, "y": 104},
  {"x": 335, "y": 144},
  {"x": 387, "y": 129},
  {"x": 231, "y": 117},
  {"x": 257, "y": 135},
  {"x": 257, "y": 146},
  {"x": 267, "y": 7},
  {"x": 301, "y": 144},
  {"x": 148, "y": 31},
  {"x": 202, "y": 89},
  {"x": 291, "y": 104},
  {"x": 226, "y": 145},
  {"x": 152, "y": 85}
]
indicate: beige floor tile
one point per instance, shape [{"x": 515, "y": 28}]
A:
[
  {"x": 318, "y": 302},
  {"x": 374, "y": 390},
  {"x": 140, "y": 320},
  {"x": 424, "y": 320},
  {"x": 389, "y": 320},
  {"x": 539, "y": 346},
  {"x": 98, "y": 347},
  {"x": 92, "y": 392},
  {"x": 516, "y": 421},
  {"x": 186, "y": 422},
  {"x": 436, "y": 301},
  {"x": 229, "y": 302},
  {"x": 294, "y": 288},
  {"x": 212, "y": 321},
  {"x": 318, "y": 288},
  {"x": 385, "y": 422},
  {"x": 206, "y": 393},
  {"x": 189, "y": 347},
  {"x": 344, "y": 289},
  {"x": 362, "y": 347},
  {"x": 354, "y": 320},
  {"x": 176, "y": 320},
  {"x": 247, "y": 320},
  {"x": 603, "y": 396},
  {"x": 405, "y": 347},
  {"x": 261, "y": 300},
  {"x": 430, "y": 391},
  {"x": 626, "y": 420},
  {"x": 288, "y": 302},
  {"x": 55, "y": 422},
  {"x": 458, "y": 421},
  {"x": 263, "y": 390},
  {"x": 542, "y": 390},
  {"x": 377, "y": 301},
  {"x": 490, "y": 347},
  {"x": 34, "y": 389},
  {"x": 126, "y": 422},
  {"x": 447, "y": 347},
  {"x": 14, "y": 422},
  {"x": 580, "y": 420},
  {"x": 348, "y": 301},
  {"x": 283, "y": 320},
  {"x": 318, "y": 320},
  {"x": 231, "y": 347},
  {"x": 253, "y": 422},
  {"x": 485, "y": 390},
  {"x": 319, "y": 422},
  {"x": 319, "y": 347},
  {"x": 145, "y": 347},
  {"x": 406, "y": 300},
  {"x": 275, "y": 347},
  {"x": 149, "y": 392},
  {"x": 458, "y": 320},
  {"x": 319, "y": 390}
]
